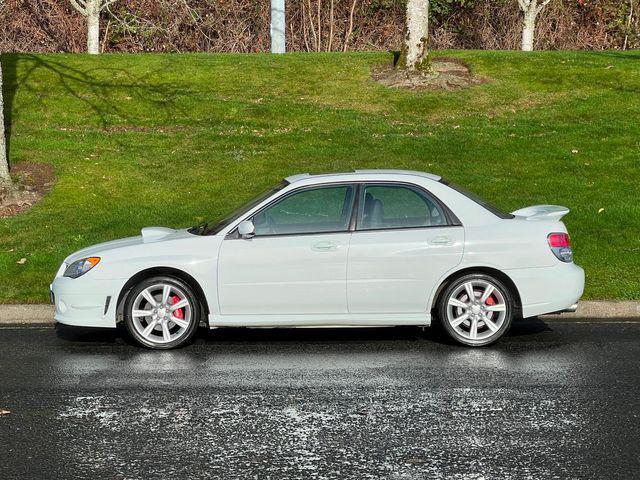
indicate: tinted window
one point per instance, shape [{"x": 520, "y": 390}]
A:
[
  {"x": 394, "y": 206},
  {"x": 324, "y": 209}
]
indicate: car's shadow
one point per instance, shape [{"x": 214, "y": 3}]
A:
[{"x": 221, "y": 336}]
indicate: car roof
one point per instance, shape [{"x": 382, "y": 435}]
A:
[{"x": 362, "y": 174}]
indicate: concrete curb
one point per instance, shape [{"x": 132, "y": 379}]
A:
[
  {"x": 589, "y": 309},
  {"x": 26, "y": 315},
  {"x": 599, "y": 309}
]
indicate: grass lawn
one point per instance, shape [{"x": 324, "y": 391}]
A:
[{"x": 139, "y": 140}]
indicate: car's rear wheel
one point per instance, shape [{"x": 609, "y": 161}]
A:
[
  {"x": 162, "y": 313},
  {"x": 476, "y": 309}
]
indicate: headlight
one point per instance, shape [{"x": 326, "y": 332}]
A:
[{"x": 80, "y": 267}]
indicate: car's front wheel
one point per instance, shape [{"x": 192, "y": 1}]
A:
[
  {"x": 162, "y": 313},
  {"x": 476, "y": 309}
]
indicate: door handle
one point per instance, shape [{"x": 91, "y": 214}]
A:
[
  {"x": 324, "y": 246},
  {"x": 441, "y": 240}
]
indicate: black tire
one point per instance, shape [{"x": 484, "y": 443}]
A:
[
  {"x": 485, "y": 335},
  {"x": 186, "y": 334}
]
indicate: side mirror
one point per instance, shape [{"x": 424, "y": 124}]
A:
[{"x": 246, "y": 229}]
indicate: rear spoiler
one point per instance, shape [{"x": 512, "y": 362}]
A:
[{"x": 542, "y": 212}]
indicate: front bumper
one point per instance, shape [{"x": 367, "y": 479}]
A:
[
  {"x": 85, "y": 302},
  {"x": 548, "y": 290}
]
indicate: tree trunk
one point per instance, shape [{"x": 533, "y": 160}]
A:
[
  {"x": 529, "y": 27},
  {"x": 5, "y": 179},
  {"x": 414, "y": 51},
  {"x": 93, "y": 26}
]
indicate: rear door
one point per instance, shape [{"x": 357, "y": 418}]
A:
[{"x": 404, "y": 241}]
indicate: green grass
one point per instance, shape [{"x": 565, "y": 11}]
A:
[{"x": 139, "y": 140}]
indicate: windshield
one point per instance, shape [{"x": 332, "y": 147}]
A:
[
  {"x": 213, "y": 227},
  {"x": 483, "y": 203}
]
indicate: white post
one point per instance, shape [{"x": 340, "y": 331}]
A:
[{"x": 278, "y": 26}]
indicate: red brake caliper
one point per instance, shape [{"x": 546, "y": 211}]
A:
[
  {"x": 178, "y": 313},
  {"x": 490, "y": 301}
]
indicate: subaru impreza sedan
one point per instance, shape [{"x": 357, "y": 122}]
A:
[{"x": 366, "y": 248}]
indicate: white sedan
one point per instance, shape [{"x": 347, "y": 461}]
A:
[{"x": 367, "y": 248}]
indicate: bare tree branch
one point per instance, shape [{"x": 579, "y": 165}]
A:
[
  {"x": 330, "y": 27},
  {"x": 319, "y": 28},
  {"x": 106, "y": 3},
  {"x": 350, "y": 29},
  {"x": 304, "y": 28},
  {"x": 80, "y": 6},
  {"x": 626, "y": 35},
  {"x": 313, "y": 28},
  {"x": 541, "y": 6}
]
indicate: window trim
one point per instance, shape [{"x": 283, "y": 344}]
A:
[
  {"x": 233, "y": 234},
  {"x": 359, "y": 186},
  {"x": 451, "y": 218}
]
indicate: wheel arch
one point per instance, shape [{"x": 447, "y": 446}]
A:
[
  {"x": 498, "y": 274},
  {"x": 157, "y": 271}
]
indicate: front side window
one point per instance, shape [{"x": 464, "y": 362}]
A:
[
  {"x": 317, "y": 210},
  {"x": 396, "y": 206}
]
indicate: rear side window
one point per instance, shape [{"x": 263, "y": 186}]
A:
[
  {"x": 396, "y": 206},
  {"x": 315, "y": 210},
  {"x": 483, "y": 203}
]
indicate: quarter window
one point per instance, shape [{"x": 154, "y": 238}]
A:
[
  {"x": 324, "y": 209},
  {"x": 395, "y": 206}
]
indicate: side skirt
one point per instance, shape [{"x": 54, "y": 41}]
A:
[{"x": 319, "y": 320}]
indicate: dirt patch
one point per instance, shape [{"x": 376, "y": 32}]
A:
[
  {"x": 443, "y": 74},
  {"x": 31, "y": 182}
]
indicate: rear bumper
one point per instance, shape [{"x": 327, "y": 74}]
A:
[
  {"x": 85, "y": 302},
  {"x": 570, "y": 309},
  {"x": 549, "y": 289}
]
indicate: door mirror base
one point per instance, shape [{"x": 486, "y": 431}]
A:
[{"x": 246, "y": 229}]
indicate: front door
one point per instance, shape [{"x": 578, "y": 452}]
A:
[
  {"x": 297, "y": 261},
  {"x": 404, "y": 242}
]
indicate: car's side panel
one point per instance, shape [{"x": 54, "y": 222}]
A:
[
  {"x": 517, "y": 245},
  {"x": 322, "y": 320},
  {"x": 511, "y": 244},
  {"x": 549, "y": 289},
  {"x": 196, "y": 256},
  {"x": 284, "y": 274},
  {"x": 395, "y": 270}
]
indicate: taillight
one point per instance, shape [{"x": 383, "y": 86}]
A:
[{"x": 560, "y": 246}]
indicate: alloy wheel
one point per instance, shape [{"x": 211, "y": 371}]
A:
[
  {"x": 476, "y": 310},
  {"x": 161, "y": 313}
]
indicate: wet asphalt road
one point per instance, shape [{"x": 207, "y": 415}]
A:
[{"x": 556, "y": 400}]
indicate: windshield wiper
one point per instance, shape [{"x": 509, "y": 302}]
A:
[{"x": 199, "y": 229}]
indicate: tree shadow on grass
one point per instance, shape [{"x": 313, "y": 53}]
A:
[
  {"x": 93, "y": 86},
  {"x": 627, "y": 55}
]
